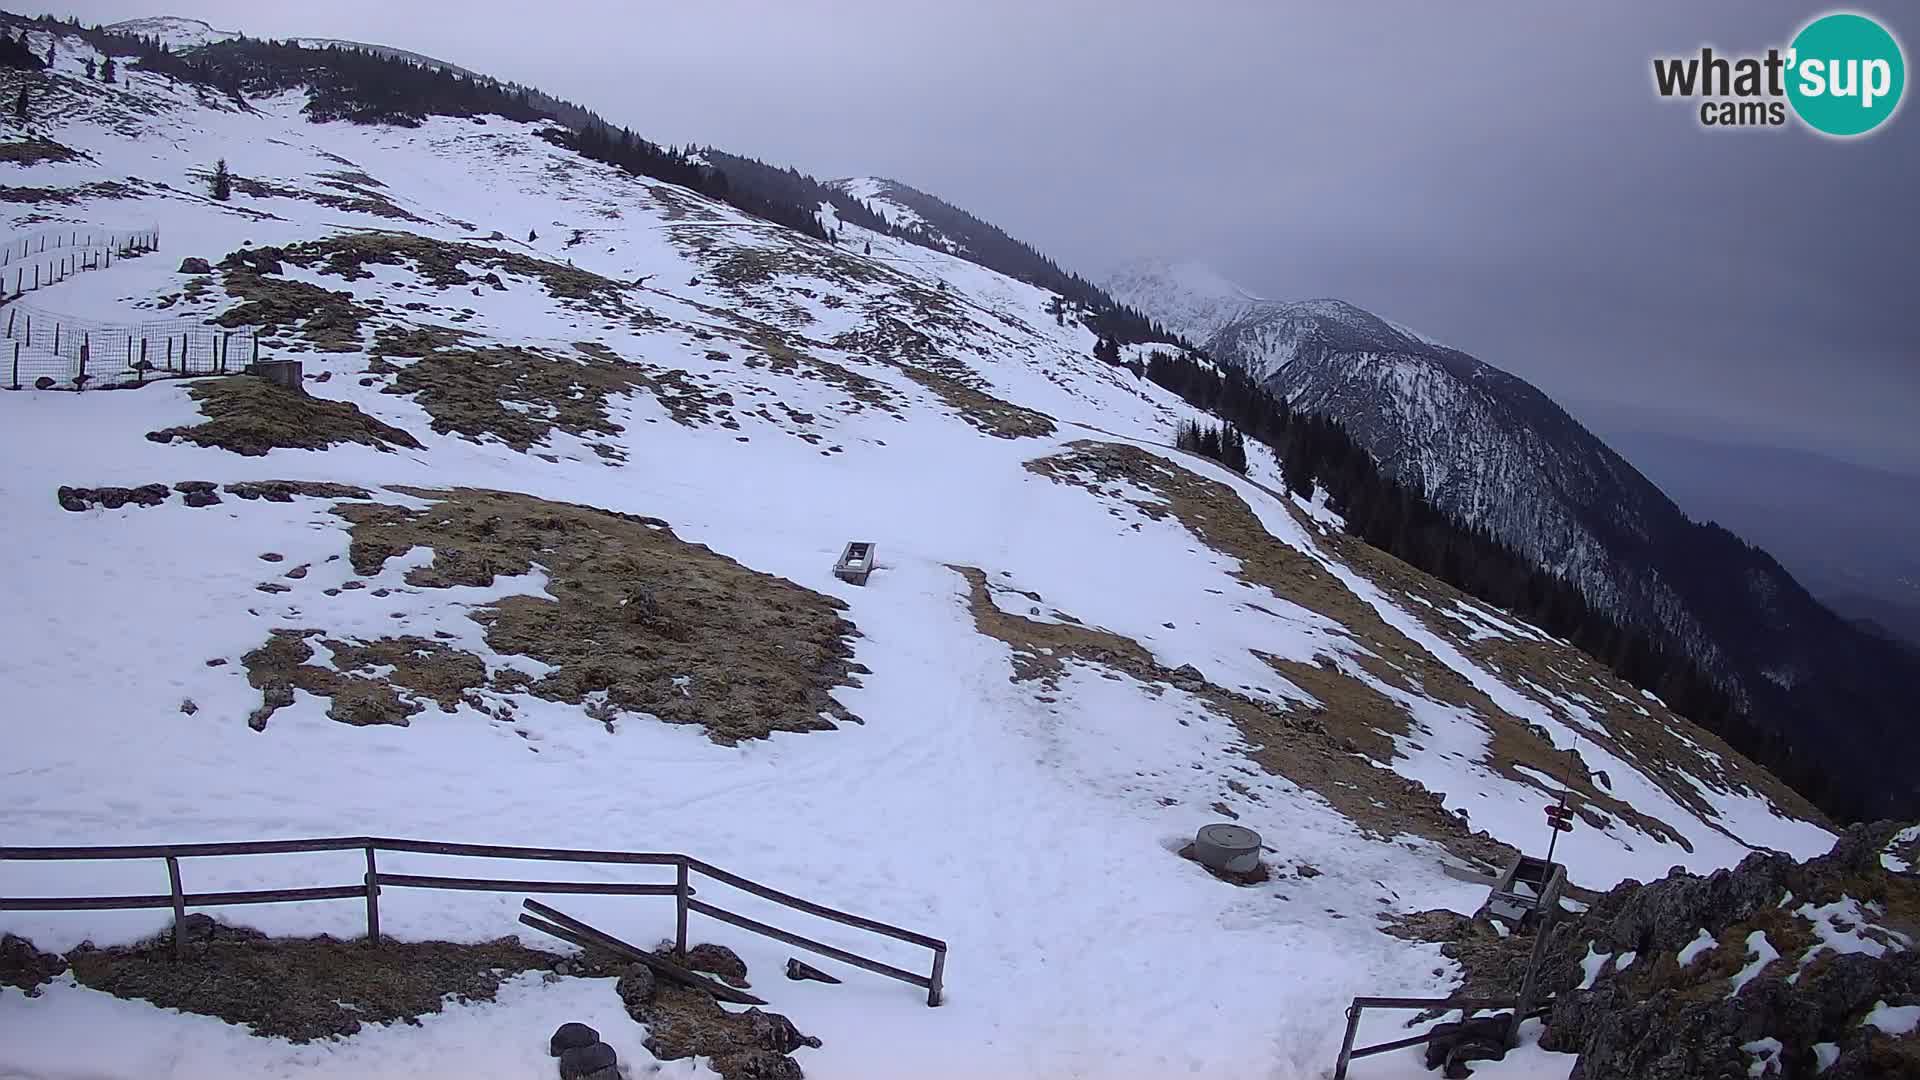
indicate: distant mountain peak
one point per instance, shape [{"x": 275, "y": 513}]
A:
[{"x": 175, "y": 31}]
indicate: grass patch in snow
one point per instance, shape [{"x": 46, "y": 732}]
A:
[
  {"x": 1659, "y": 743},
  {"x": 357, "y": 200},
  {"x": 99, "y": 189},
  {"x": 329, "y": 321},
  {"x": 517, "y": 395},
  {"x": 893, "y": 342},
  {"x": 251, "y": 416},
  {"x": 1292, "y": 744},
  {"x": 657, "y": 625},
  {"x": 444, "y": 265},
  {"x": 1357, "y": 712},
  {"x": 34, "y": 150},
  {"x": 425, "y": 669},
  {"x": 304, "y": 989}
]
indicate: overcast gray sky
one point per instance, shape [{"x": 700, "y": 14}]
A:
[{"x": 1500, "y": 176}]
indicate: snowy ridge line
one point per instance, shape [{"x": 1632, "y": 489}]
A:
[{"x": 681, "y": 890}]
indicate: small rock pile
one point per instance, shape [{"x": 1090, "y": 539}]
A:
[
  {"x": 26, "y": 968},
  {"x": 684, "y": 1022}
]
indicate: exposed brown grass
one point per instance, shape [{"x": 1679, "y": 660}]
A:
[
  {"x": 304, "y": 989},
  {"x": 424, "y": 668},
  {"x": 357, "y": 198},
  {"x": 1652, "y": 742},
  {"x": 655, "y": 624},
  {"x": 251, "y": 416},
  {"x": 328, "y": 321},
  {"x": 35, "y": 149},
  {"x": 1294, "y": 745}
]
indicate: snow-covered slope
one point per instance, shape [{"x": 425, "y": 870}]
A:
[
  {"x": 173, "y": 31},
  {"x": 1079, "y": 645},
  {"x": 894, "y": 202}
]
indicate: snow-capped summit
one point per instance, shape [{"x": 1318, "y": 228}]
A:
[
  {"x": 175, "y": 31},
  {"x": 1496, "y": 453},
  {"x": 1187, "y": 297}
]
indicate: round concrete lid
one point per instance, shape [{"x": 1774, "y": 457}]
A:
[{"x": 1229, "y": 837}]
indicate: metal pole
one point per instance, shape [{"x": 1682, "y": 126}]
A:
[
  {"x": 373, "y": 901},
  {"x": 179, "y": 907}
]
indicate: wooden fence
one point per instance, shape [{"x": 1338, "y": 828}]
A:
[{"x": 372, "y": 882}]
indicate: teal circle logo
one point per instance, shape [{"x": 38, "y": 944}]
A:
[{"x": 1846, "y": 73}]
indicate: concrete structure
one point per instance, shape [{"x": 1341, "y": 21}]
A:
[{"x": 855, "y": 564}]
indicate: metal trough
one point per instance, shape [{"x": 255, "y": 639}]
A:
[{"x": 856, "y": 563}]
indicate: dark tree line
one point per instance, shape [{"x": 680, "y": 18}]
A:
[
  {"x": 1315, "y": 452},
  {"x": 1221, "y": 442},
  {"x": 15, "y": 54}
]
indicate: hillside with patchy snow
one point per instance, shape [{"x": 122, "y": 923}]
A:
[
  {"x": 543, "y": 556},
  {"x": 1496, "y": 454}
]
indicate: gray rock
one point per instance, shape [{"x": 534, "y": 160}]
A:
[
  {"x": 777, "y": 1033},
  {"x": 1653, "y": 1021},
  {"x": 717, "y": 959},
  {"x": 569, "y": 1036},
  {"x": 582, "y": 1062},
  {"x": 636, "y": 987},
  {"x": 797, "y": 970},
  {"x": 195, "y": 266}
]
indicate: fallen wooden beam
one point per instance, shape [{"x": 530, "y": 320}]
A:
[{"x": 583, "y": 934}]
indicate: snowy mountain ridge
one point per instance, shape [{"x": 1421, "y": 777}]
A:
[
  {"x": 1497, "y": 454},
  {"x": 544, "y": 556},
  {"x": 174, "y": 31}
]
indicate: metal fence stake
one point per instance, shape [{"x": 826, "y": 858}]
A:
[{"x": 179, "y": 907}]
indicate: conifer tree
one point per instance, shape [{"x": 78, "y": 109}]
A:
[
  {"x": 107, "y": 70},
  {"x": 222, "y": 181},
  {"x": 92, "y": 69}
]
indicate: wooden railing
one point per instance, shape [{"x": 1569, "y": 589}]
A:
[
  {"x": 371, "y": 883},
  {"x": 1467, "y": 1007}
]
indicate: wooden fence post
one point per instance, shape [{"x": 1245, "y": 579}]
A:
[
  {"x": 16, "y": 365},
  {"x": 170, "y": 353},
  {"x": 10, "y": 316},
  {"x": 373, "y": 901},
  {"x": 226, "y": 349},
  {"x": 939, "y": 977},
  {"x": 179, "y": 907},
  {"x": 56, "y": 337},
  {"x": 680, "y": 914},
  {"x": 86, "y": 347}
]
